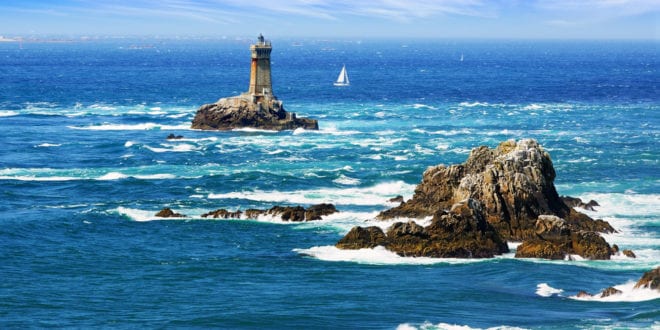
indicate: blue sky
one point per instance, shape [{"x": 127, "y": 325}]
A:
[{"x": 591, "y": 19}]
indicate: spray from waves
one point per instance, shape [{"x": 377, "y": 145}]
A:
[
  {"x": 377, "y": 195},
  {"x": 544, "y": 290},
  {"x": 628, "y": 293},
  {"x": 377, "y": 256}
]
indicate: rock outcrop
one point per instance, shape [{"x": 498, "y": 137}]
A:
[
  {"x": 515, "y": 182},
  {"x": 577, "y": 202},
  {"x": 462, "y": 232},
  {"x": 245, "y": 111},
  {"x": 650, "y": 280},
  {"x": 286, "y": 213},
  {"x": 514, "y": 186},
  {"x": 168, "y": 213}
]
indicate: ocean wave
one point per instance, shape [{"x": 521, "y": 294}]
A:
[
  {"x": 48, "y": 145},
  {"x": 377, "y": 195},
  {"x": 423, "y": 106},
  {"x": 181, "y": 147},
  {"x": 347, "y": 181},
  {"x": 473, "y": 104},
  {"x": 628, "y": 294},
  {"x": 131, "y": 127},
  {"x": 544, "y": 290},
  {"x": 8, "y": 113},
  {"x": 376, "y": 256},
  {"x": 449, "y": 326}
]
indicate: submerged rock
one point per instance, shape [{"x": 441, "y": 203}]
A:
[{"x": 168, "y": 213}]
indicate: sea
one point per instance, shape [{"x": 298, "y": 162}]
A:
[{"x": 85, "y": 164}]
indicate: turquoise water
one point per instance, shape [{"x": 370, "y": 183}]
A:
[{"x": 85, "y": 165}]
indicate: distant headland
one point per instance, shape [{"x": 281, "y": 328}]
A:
[{"x": 256, "y": 108}]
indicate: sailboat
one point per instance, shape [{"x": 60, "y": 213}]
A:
[
  {"x": 461, "y": 57},
  {"x": 342, "y": 80}
]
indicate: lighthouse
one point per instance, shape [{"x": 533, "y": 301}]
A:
[
  {"x": 256, "y": 108},
  {"x": 260, "y": 84}
]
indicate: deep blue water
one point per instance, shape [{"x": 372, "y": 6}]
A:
[{"x": 84, "y": 166}]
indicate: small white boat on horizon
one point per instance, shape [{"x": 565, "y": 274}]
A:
[{"x": 342, "y": 79}]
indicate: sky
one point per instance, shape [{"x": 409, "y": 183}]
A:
[{"x": 527, "y": 19}]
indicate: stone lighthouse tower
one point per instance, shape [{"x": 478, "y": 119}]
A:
[
  {"x": 256, "y": 108},
  {"x": 260, "y": 84}
]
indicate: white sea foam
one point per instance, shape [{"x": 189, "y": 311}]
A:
[
  {"x": 376, "y": 256},
  {"x": 449, "y": 326},
  {"x": 129, "y": 144},
  {"x": 533, "y": 106},
  {"x": 37, "y": 178},
  {"x": 133, "y": 127},
  {"x": 628, "y": 294},
  {"x": 348, "y": 181},
  {"x": 254, "y": 130},
  {"x": 181, "y": 147},
  {"x": 473, "y": 104},
  {"x": 113, "y": 176},
  {"x": 49, "y": 145},
  {"x": 452, "y": 132},
  {"x": 141, "y": 215},
  {"x": 423, "y": 106},
  {"x": 544, "y": 290},
  {"x": 8, "y": 113},
  {"x": 374, "y": 195}
]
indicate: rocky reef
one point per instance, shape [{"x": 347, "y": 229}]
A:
[
  {"x": 462, "y": 232},
  {"x": 500, "y": 194},
  {"x": 285, "y": 213},
  {"x": 246, "y": 111}
]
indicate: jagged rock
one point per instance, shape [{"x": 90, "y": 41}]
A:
[
  {"x": 462, "y": 232},
  {"x": 174, "y": 137},
  {"x": 590, "y": 245},
  {"x": 555, "y": 240},
  {"x": 584, "y": 294},
  {"x": 650, "y": 280},
  {"x": 315, "y": 212},
  {"x": 397, "y": 199},
  {"x": 286, "y": 213},
  {"x": 610, "y": 292},
  {"x": 223, "y": 214},
  {"x": 538, "y": 248},
  {"x": 577, "y": 202},
  {"x": 515, "y": 183},
  {"x": 254, "y": 213},
  {"x": 362, "y": 238},
  {"x": 629, "y": 253},
  {"x": 241, "y": 111},
  {"x": 168, "y": 213}
]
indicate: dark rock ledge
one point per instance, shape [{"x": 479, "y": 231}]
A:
[{"x": 286, "y": 213}]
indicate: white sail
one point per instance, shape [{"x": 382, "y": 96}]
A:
[{"x": 342, "y": 80}]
